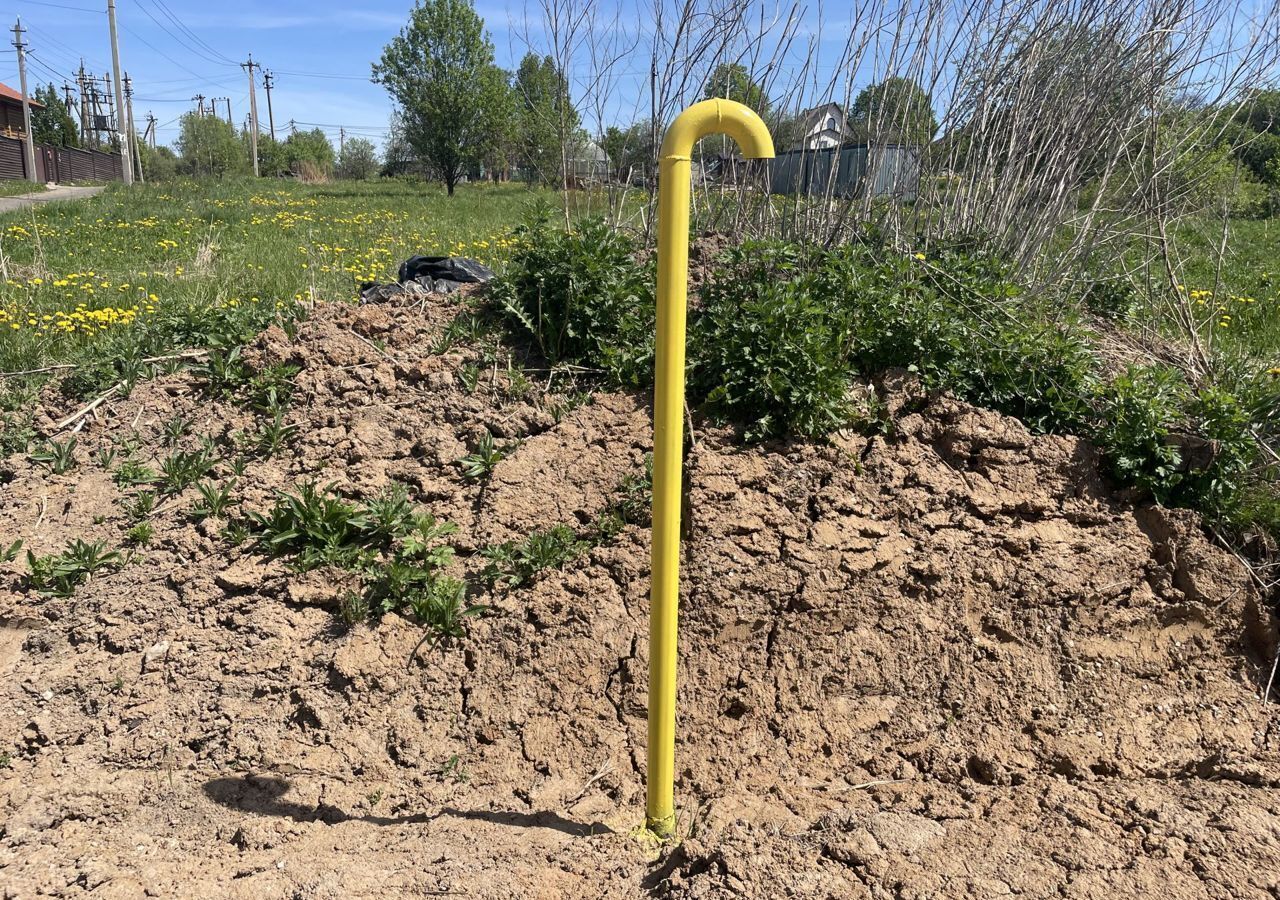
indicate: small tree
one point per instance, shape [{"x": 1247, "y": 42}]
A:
[
  {"x": 546, "y": 116},
  {"x": 309, "y": 149},
  {"x": 894, "y": 109},
  {"x": 210, "y": 146},
  {"x": 159, "y": 163},
  {"x": 358, "y": 160},
  {"x": 440, "y": 72},
  {"x": 734, "y": 82},
  {"x": 52, "y": 123}
]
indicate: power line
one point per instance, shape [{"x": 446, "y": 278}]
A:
[
  {"x": 324, "y": 75},
  {"x": 59, "y": 6},
  {"x": 186, "y": 44},
  {"x": 168, "y": 13}
]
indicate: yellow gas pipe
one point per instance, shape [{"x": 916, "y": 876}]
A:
[{"x": 674, "y": 187}]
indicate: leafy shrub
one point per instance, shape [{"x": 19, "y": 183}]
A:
[
  {"x": 582, "y": 297},
  {"x": 1140, "y": 409},
  {"x": 771, "y": 347}
]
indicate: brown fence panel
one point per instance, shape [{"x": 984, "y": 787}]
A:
[
  {"x": 11, "y": 163},
  {"x": 59, "y": 163}
]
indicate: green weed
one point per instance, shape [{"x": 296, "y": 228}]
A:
[
  {"x": 515, "y": 563},
  {"x": 581, "y": 297},
  {"x": 60, "y": 574},
  {"x": 480, "y": 463},
  {"x": 141, "y": 533},
  {"x": 58, "y": 458},
  {"x": 213, "y": 501}
]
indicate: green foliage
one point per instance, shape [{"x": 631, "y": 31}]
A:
[
  {"x": 132, "y": 472},
  {"x": 141, "y": 506},
  {"x": 582, "y": 297},
  {"x": 770, "y": 348},
  {"x": 450, "y": 95},
  {"x": 10, "y": 553},
  {"x": 304, "y": 149},
  {"x": 394, "y": 550},
  {"x": 518, "y": 562},
  {"x": 185, "y": 467},
  {"x": 1192, "y": 448},
  {"x": 358, "y": 160},
  {"x": 159, "y": 163},
  {"x": 546, "y": 117},
  {"x": 480, "y": 463},
  {"x": 733, "y": 81},
  {"x": 213, "y": 501},
  {"x": 209, "y": 146},
  {"x": 141, "y": 534},
  {"x": 51, "y": 123},
  {"x": 58, "y": 457},
  {"x": 630, "y": 151},
  {"x": 60, "y": 574},
  {"x": 894, "y": 109},
  {"x": 1140, "y": 411}
]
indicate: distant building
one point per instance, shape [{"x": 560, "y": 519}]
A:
[
  {"x": 823, "y": 126},
  {"x": 11, "y": 123}
]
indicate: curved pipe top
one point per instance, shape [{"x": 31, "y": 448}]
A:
[{"x": 718, "y": 117}]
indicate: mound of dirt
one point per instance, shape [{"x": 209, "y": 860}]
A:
[{"x": 944, "y": 663}]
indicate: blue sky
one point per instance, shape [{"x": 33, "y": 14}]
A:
[{"x": 319, "y": 51}]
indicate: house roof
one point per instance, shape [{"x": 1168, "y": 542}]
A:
[
  {"x": 9, "y": 93},
  {"x": 812, "y": 117}
]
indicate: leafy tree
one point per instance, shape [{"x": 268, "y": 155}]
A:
[
  {"x": 440, "y": 72},
  {"x": 158, "y": 164},
  {"x": 734, "y": 82},
  {"x": 547, "y": 118},
  {"x": 630, "y": 150},
  {"x": 358, "y": 160},
  {"x": 271, "y": 155},
  {"x": 309, "y": 148},
  {"x": 1262, "y": 112},
  {"x": 208, "y": 145},
  {"x": 398, "y": 156},
  {"x": 895, "y": 108},
  {"x": 52, "y": 123}
]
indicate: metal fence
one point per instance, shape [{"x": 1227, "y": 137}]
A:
[
  {"x": 59, "y": 164},
  {"x": 882, "y": 170}
]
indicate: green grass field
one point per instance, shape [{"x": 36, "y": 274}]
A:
[
  {"x": 1243, "y": 314},
  {"x": 76, "y": 273}
]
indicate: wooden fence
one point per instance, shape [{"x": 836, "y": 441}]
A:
[{"x": 59, "y": 164}]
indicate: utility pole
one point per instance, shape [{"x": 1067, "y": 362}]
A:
[
  {"x": 150, "y": 134},
  {"x": 269, "y": 81},
  {"x": 199, "y": 99},
  {"x": 29, "y": 142},
  {"x": 133, "y": 134},
  {"x": 229, "y": 122},
  {"x": 342, "y": 140},
  {"x": 126, "y": 162},
  {"x": 84, "y": 105},
  {"x": 253, "y": 114}
]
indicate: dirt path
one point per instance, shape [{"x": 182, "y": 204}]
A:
[
  {"x": 944, "y": 663},
  {"x": 54, "y": 194}
]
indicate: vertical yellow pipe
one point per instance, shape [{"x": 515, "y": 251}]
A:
[{"x": 674, "y": 187}]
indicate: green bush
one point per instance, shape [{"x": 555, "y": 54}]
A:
[
  {"x": 583, "y": 298},
  {"x": 770, "y": 347},
  {"x": 1140, "y": 410}
]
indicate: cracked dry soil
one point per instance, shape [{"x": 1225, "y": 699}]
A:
[{"x": 950, "y": 663}]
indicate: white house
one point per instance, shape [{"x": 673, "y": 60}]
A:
[{"x": 824, "y": 126}]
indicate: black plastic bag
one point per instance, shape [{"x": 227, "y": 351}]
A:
[{"x": 458, "y": 269}]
